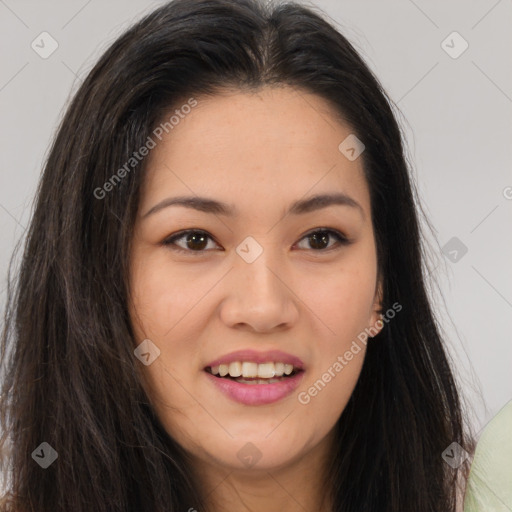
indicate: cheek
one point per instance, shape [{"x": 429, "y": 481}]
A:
[
  {"x": 161, "y": 296},
  {"x": 327, "y": 392},
  {"x": 163, "y": 311},
  {"x": 352, "y": 296},
  {"x": 342, "y": 300},
  {"x": 345, "y": 308}
]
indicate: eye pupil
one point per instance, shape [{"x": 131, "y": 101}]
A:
[
  {"x": 194, "y": 237},
  {"x": 319, "y": 238}
]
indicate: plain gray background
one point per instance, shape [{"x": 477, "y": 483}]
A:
[{"x": 456, "y": 119}]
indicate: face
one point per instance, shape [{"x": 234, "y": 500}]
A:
[{"x": 279, "y": 278}]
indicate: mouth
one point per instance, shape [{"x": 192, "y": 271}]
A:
[
  {"x": 251, "y": 383},
  {"x": 248, "y": 372}
]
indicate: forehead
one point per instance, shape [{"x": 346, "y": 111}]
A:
[{"x": 252, "y": 145}]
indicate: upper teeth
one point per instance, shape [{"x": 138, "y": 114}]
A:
[{"x": 248, "y": 369}]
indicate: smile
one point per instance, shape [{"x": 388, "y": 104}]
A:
[
  {"x": 251, "y": 383},
  {"x": 251, "y": 372}
]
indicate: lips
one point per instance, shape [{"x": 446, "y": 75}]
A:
[
  {"x": 254, "y": 390},
  {"x": 256, "y": 394}
]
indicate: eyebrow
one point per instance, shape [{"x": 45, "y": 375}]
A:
[{"x": 300, "y": 207}]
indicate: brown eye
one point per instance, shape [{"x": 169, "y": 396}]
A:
[
  {"x": 319, "y": 239},
  {"x": 193, "y": 241}
]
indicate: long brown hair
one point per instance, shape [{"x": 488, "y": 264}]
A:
[{"x": 71, "y": 379}]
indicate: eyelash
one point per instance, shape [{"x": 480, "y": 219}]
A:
[{"x": 341, "y": 239}]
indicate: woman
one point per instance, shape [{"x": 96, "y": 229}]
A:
[{"x": 222, "y": 302}]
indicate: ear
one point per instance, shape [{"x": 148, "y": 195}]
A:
[{"x": 376, "y": 324}]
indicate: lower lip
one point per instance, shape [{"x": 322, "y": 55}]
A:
[{"x": 257, "y": 394}]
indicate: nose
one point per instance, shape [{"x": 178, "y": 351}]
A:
[{"x": 258, "y": 296}]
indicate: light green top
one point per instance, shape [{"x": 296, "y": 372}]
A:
[{"x": 489, "y": 487}]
